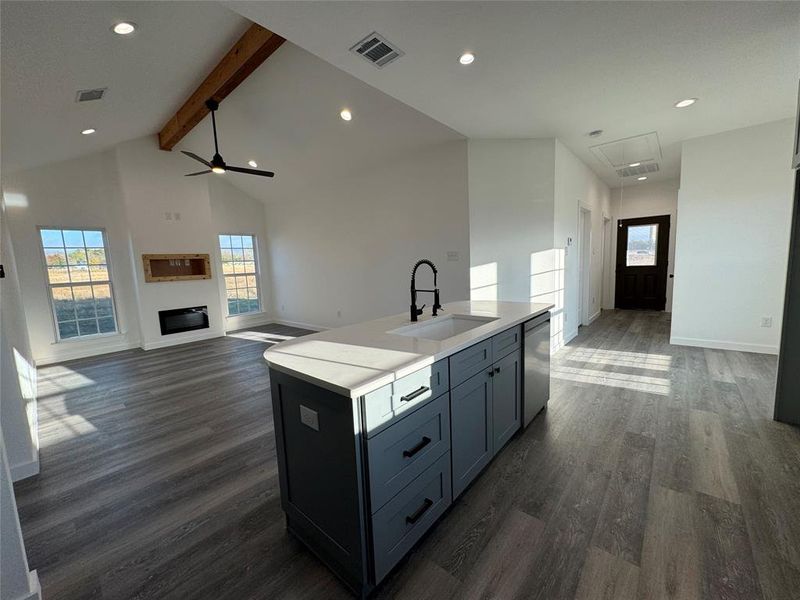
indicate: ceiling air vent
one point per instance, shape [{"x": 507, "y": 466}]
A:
[
  {"x": 642, "y": 169},
  {"x": 377, "y": 50},
  {"x": 89, "y": 95}
]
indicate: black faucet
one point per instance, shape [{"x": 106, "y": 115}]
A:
[{"x": 415, "y": 312}]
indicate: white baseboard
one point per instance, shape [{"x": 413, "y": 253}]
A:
[
  {"x": 26, "y": 469},
  {"x": 724, "y": 345},
  {"x": 593, "y": 318},
  {"x": 34, "y": 591},
  {"x": 237, "y": 322},
  {"x": 73, "y": 350},
  {"x": 299, "y": 324},
  {"x": 183, "y": 338}
]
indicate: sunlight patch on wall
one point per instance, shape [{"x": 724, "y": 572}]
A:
[
  {"x": 15, "y": 200},
  {"x": 26, "y": 376},
  {"x": 547, "y": 285},
  {"x": 483, "y": 282}
]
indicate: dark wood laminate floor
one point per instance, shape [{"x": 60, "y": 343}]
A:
[{"x": 655, "y": 473}]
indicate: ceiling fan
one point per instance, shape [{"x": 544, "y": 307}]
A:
[{"x": 217, "y": 165}]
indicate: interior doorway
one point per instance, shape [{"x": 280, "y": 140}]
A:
[{"x": 642, "y": 263}]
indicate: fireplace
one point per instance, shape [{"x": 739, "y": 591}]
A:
[{"x": 183, "y": 319}]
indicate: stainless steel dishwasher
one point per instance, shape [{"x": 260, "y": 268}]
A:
[{"x": 536, "y": 384}]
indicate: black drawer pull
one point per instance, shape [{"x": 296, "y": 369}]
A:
[
  {"x": 424, "y": 442},
  {"x": 415, "y": 394},
  {"x": 411, "y": 519},
  {"x": 497, "y": 369}
]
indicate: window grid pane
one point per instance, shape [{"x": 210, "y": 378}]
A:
[
  {"x": 642, "y": 244},
  {"x": 240, "y": 271},
  {"x": 79, "y": 281}
]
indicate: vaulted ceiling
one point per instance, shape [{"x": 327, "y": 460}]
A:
[
  {"x": 543, "y": 69},
  {"x": 563, "y": 69},
  {"x": 50, "y": 50}
]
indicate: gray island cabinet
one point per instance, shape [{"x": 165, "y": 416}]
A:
[{"x": 364, "y": 476}]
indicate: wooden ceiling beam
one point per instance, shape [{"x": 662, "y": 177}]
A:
[{"x": 252, "y": 49}]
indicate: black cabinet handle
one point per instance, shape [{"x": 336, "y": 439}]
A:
[
  {"x": 413, "y": 518},
  {"x": 490, "y": 373},
  {"x": 497, "y": 369},
  {"x": 412, "y": 451},
  {"x": 415, "y": 394}
]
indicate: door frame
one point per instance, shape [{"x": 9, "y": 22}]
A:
[
  {"x": 584, "y": 264},
  {"x": 662, "y": 252},
  {"x": 606, "y": 298}
]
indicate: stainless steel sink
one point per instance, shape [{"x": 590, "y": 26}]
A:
[{"x": 442, "y": 328}]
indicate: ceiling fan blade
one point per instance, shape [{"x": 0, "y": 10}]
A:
[
  {"x": 197, "y": 158},
  {"x": 198, "y": 173},
  {"x": 250, "y": 171}
]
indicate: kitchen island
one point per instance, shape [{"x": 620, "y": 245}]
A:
[{"x": 381, "y": 425}]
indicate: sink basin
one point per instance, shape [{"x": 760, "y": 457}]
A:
[{"x": 442, "y": 328}]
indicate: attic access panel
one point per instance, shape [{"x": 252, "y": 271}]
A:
[{"x": 643, "y": 148}]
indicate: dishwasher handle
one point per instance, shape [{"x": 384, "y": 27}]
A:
[{"x": 535, "y": 324}]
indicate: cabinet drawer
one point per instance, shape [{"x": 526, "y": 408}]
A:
[
  {"x": 405, "y": 518},
  {"x": 466, "y": 363},
  {"x": 401, "y": 452},
  {"x": 386, "y": 405},
  {"x": 506, "y": 342}
]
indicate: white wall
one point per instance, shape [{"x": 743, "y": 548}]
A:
[
  {"x": 525, "y": 197},
  {"x": 153, "y": 184},
  {"x": 510, "y": 214},
  {"x": 233, "y": 211},
  {"x": 16, "y": 582},
  {"x": 17, "y": 372},
  {"x": 576, "y": 187},
  {"x": 643, "y": 200},
  {"x": 348, "y": 243},
  {"x": 129, "y": 191},
  {"x": 734, "y": 211},
  {"x": 79, "y": 193}
]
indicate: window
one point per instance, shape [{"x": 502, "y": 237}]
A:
[
  {"x": 240, "y": 268},
  {"x": 79, "y": 281},
  {"x": 642, "y": 243}
]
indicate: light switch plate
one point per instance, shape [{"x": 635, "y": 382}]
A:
[{"x": 309, "y": 417}]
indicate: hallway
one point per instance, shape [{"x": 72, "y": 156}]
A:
[{"x": 656, "y": 472}]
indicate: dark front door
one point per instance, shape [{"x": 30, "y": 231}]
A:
[{"x": 642, "y": 251}]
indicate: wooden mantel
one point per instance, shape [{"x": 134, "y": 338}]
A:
[{"x": 252, "y": 49}]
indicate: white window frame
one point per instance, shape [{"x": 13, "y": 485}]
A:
[
  {"x": 257, "y": 275},
  {"x": 50, "y": 286}
]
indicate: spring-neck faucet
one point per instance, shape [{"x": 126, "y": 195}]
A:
[{"x": 415, "y": 312}]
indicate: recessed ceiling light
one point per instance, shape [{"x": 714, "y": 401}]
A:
[
  {"x": 88, "y": 131},
  {"x": 467, "y": 58},
  {"x": 642, "y": 178},
  {"x": 634, "y": 164},
  {"x": 218, "y": 170},
  {"x": 685, "y": 103},
  {"x": 346, "y": 114},
  {"x": 252, "y": 163},
  {"x": 124, "y": 28}
]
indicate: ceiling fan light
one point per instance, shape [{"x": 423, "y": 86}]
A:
[{"x": 218, "y": 170}]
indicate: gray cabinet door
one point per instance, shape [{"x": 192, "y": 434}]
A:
[
  {"x": 470, "y": 428},
  {"x": 468, "y": 362},
  {"x": 506, "y": 400}
]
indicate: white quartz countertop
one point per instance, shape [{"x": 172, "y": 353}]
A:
[{"x": 357, "y": 359}]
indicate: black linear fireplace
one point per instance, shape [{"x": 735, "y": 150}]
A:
[{"x": 183, "y": 319}]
